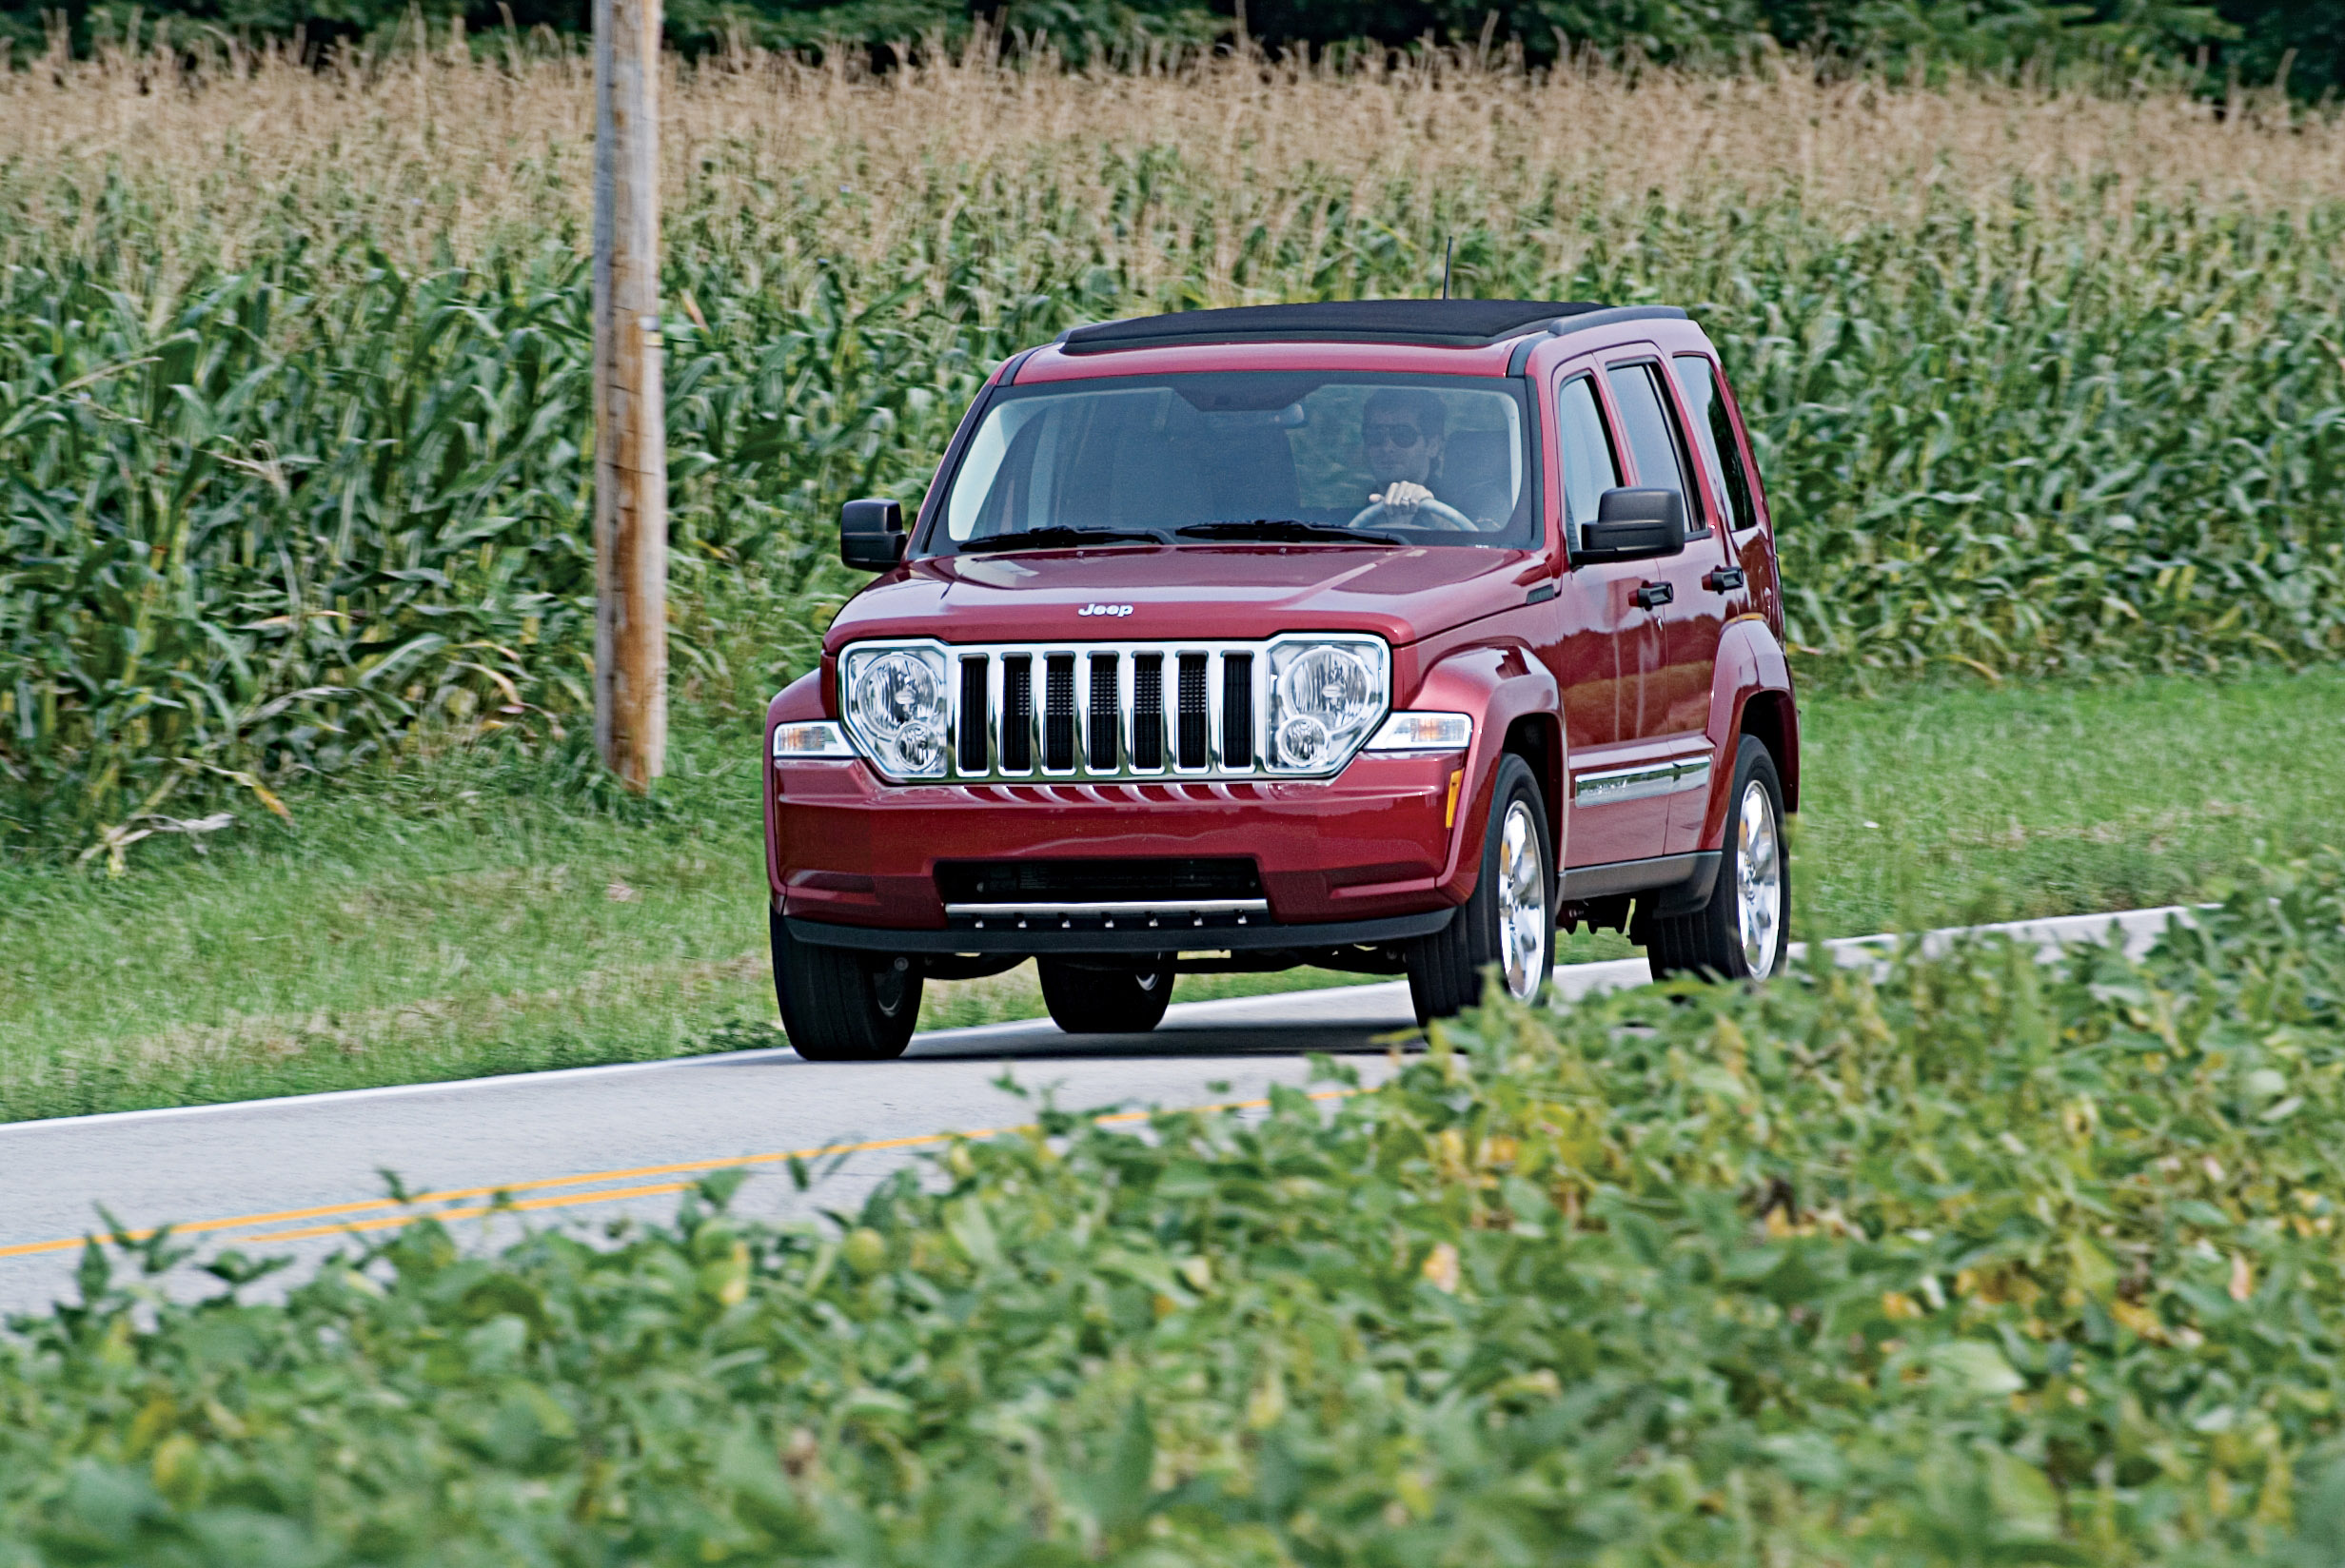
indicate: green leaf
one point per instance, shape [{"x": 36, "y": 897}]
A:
[{"x": 1971, "y": 1368}]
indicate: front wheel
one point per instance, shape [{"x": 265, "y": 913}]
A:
[
  {"x": 1509, "y": 922},
  {"x": 843, "y": 1004},
  {"x": 1105, "y": 1001},
  {"x": 1744, "y": 932}
]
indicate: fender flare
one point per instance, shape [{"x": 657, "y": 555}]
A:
[
  {"x": 1751, "y": 668},
  {"x": 1498, "y": 684}
]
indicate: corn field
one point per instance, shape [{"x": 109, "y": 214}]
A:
[{"x": 294, "y": 418}]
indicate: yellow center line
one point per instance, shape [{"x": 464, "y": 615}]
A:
[
  {"x": 477, "y": 1211},
  {"x": 636, "y": 1173}
]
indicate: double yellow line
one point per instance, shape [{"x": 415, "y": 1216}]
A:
[{"x": 499, "y": 1200}]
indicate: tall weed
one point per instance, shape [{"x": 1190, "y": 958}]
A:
[{"x": 293, "y": 374}]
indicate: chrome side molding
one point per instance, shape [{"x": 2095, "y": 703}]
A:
[{"x": 1642, "y": 783}]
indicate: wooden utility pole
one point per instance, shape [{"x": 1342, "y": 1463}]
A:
[{"x": 631, "y": 449}]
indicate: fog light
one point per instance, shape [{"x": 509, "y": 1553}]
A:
[
  {"x": 918, "y": 744},
  {"x": 1302, "y": 742}
]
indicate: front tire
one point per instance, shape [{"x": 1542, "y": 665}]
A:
[
  {"x": 1509, "y": 922},
  {"x": 843, "y": 1004},
  {"x": 1105, "y": 1001},
  {"x": 1744, "y": 932}
]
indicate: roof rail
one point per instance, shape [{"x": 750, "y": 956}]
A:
[
  {"x": 1565, "y": 325},
  {"x": 1447, "y": 323}
]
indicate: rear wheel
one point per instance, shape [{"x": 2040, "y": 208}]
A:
[
  {"x": 1509, "y": 922},
  {"x": 843, "y": 1004},
  {"x": 1105, "y": 1001},
  {"x": 1744, "y": 932}
]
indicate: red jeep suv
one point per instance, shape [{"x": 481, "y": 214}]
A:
[{"x": 1379, "y": 635}]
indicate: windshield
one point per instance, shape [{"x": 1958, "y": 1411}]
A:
[{"x": 1292, "y": 457}]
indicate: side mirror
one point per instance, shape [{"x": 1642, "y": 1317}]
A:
[
  {"x": 1634, "y": 525},
  {"x": 870, "y": 534}
]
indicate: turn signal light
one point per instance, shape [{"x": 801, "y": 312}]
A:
[
  {"x": 796, "y": 742},
  {"x": 1423, "y": 732}
]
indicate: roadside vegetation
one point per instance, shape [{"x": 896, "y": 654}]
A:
[
  {"x": 1967, "y": 1261},
  {"x": 293, "y": 364},
  {"x": 1973, "y": 1261},
  {"x": 490, "y": 912}
]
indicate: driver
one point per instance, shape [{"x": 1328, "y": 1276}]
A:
[{"x": 1403, "y": 428}]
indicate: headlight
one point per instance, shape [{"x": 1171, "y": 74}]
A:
[
  {"x": 896, "y": 708},
  {"x": 1326, "y": 695},
  {"x": 1424, "y": 732}
]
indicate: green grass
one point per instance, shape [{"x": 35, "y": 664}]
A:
[
  {"x": 1937, "y": 807},
  {"x": 477, "y": 914}
]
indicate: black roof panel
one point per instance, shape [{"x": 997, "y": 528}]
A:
[{"x": 1461, "y": 323}]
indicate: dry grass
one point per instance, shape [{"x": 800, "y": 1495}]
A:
[{"x": 468, "y": 152}]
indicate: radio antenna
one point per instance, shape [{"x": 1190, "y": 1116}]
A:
[{"x": 1448, "y": 257}]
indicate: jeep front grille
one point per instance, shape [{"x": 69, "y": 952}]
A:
[
  {"x": 1093, "y": 711},
  {"x": 1084, "y": 711}
]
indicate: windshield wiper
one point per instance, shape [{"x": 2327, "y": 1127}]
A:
[
  {"x": 1283, "y": 531},
  {"x": 1057, "y": 537}
]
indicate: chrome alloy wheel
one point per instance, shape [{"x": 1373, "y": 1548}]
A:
[
  {"x": 1522, "y": 902},
  {"x": 1758, "y": 880}
]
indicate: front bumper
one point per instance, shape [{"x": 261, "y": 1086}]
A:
[
  {"x": 1374, "y": 844},
  {"x": 1077, "y": 937}
]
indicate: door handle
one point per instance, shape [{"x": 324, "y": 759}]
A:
[
  {"x": 1651, "y": 594},
  {"x": 1723, "y": 579}
]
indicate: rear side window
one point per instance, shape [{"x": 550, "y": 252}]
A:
[
  {"x": 1697, "y": 378},
  {"x": 1588, "y": 466},
  {"x": 1645, "y": 425}
]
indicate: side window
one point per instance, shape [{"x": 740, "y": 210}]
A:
[
  {"x": 1697, "y": 378},
  {"x": 1588, "y": 466},
  {"x": 1644, "y": 421}
]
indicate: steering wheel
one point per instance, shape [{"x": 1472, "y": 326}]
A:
[{"x": 1426, "y": 514}]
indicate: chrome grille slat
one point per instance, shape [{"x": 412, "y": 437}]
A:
[
  {"x": 1103, "y": 737},
  {"x": 1216, "y": 742},
  {"x": 971, "y": 736},
  {"x": 1017, "y": 707},
  {"x": 1058, "y": 713},
  {"x": 1146, "y": 750},
  {"x": 1127, "y": 723},
  {"x": 1234, "y": 724},
  {"x": 1192, "y": 733}
]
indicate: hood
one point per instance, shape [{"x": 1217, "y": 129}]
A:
[{"x": 1188, "y": 590}]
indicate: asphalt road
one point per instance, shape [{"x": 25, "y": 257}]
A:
[{"x": 298, "y": 1176}]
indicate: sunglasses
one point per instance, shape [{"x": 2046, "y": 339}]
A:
[{"x": 1401, "y": 435}]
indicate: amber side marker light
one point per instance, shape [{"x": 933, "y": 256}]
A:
[{"x": 1449, "y": 812}]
